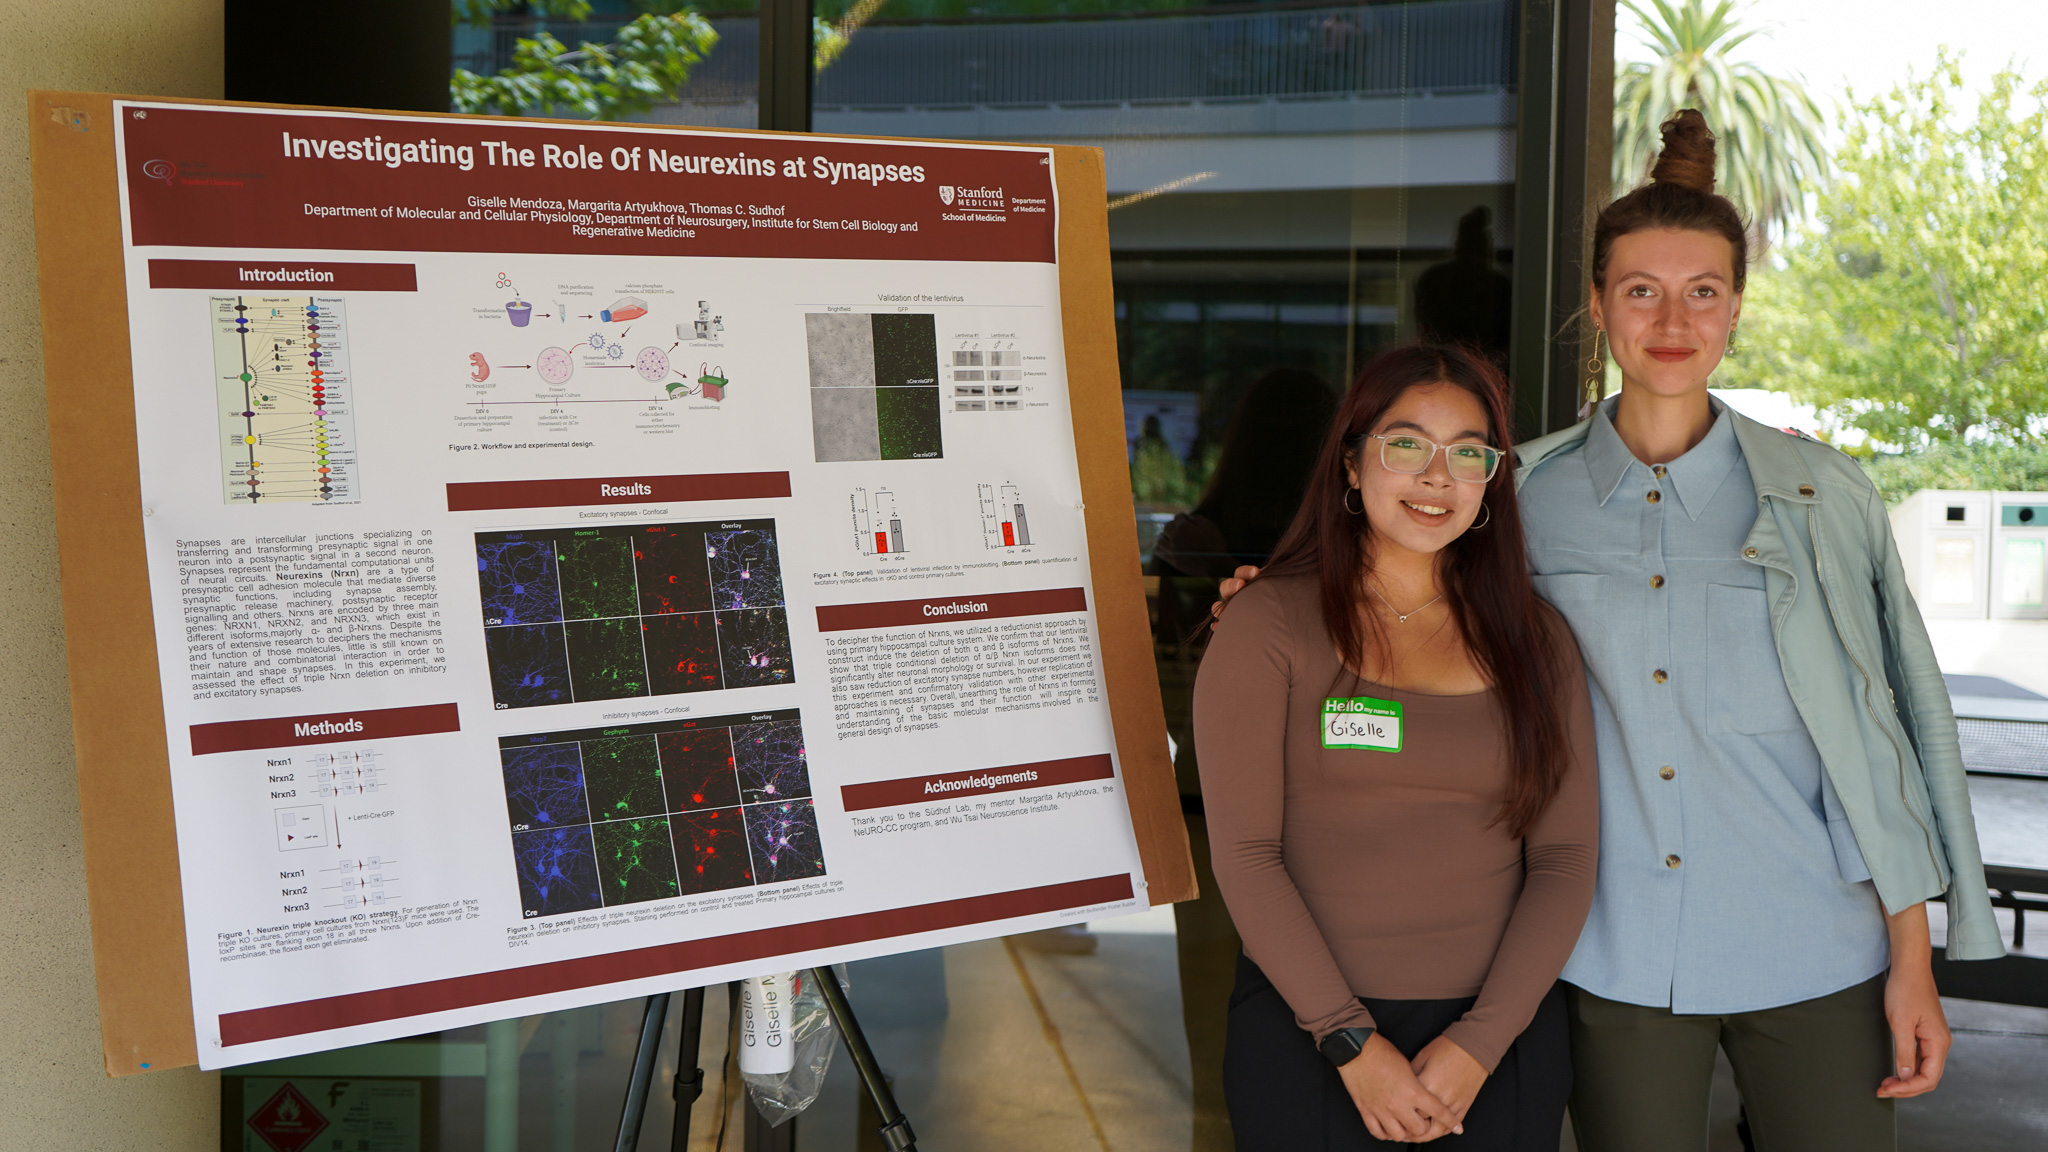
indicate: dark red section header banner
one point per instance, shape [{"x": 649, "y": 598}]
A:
[
  {"x": 289, "y": 276},
  {"x": 980, "y": 782},
  {"x": 325, "y": 728},
  {"x": 247, "y": 178},
  {"x": 950, "y": 609},
  {"x": 485, "y": 495}
]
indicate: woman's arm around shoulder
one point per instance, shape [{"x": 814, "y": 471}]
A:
[{"x": 1560, "y": 853}]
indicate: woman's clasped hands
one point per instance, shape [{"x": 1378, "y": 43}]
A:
[{"x": 1412, "y": 1101}]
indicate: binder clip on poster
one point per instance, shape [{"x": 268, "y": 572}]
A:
[{"x": 786, "y": 1041}]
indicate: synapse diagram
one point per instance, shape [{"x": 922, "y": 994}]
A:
[
  {"x": 620, "y": 815},
  {"x": 285, "y": 398},
  {"x": 616, "y": 612},
  {"x": 1003, "y": 523},
  {"x": 877, "y": 525}
]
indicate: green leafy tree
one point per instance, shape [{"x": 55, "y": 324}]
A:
[
  {"x": 480, "y": 12},
  {"x": 648, "y": 63},
  {"x": 1954, "y": 465},
  {"x": 1771, "y": 132},
  {"x": 1915, "y": 311}
]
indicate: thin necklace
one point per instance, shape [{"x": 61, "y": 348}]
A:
[{"x": 1400, "y": 616}]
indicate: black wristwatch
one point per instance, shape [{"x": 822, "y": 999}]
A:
[{"x": 1343, "y": 1046}]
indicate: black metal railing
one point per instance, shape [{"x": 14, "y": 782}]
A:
[{"x": 1361, "y": 50}]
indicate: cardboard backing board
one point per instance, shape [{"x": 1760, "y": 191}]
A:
[{"x": 118, "y": 714}]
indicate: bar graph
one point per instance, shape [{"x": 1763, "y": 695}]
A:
[
  {"x": 877, "y": 524},
  {"x": 1003, "y": 520}
]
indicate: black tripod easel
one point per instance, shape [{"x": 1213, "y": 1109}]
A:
[{"x": 895, "y": 1127}]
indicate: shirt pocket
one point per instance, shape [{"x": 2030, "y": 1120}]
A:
[
  {"x": 1576, "y": 595},
  {"x": 1746, "y": 690}
]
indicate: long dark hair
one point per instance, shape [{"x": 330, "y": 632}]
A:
[{"x": 1485, "y": 570}]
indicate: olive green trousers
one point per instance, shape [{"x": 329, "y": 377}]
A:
[{"x": 1808, "y": 1073}]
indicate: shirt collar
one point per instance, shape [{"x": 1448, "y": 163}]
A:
[{"x": 1694, "y": 477}]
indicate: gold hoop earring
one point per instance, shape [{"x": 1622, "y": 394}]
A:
[
  {"x": 1596, "y": 369},
  {"x": 1478, "y": 524},
  {"x": 1345, "y": 500}
]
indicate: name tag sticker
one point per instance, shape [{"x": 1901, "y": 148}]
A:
[{"x": 1362, "y": 722}]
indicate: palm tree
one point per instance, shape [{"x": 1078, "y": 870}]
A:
[{"x": 1770, "y": 130}]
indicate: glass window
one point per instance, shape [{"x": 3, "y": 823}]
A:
[{"x": 1291, "y": 188}]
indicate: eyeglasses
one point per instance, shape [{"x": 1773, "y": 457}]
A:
[{"x": 1410, "y": 455}]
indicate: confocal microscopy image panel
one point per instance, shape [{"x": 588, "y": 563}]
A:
[
  {"x": 843, "y": 425},
  {"x": 529, "y": 665},
  {"x": 697, "y": 770},
  {"x": 841, "y": 346},
  {"x": 908, "y": 419},
  {"x": 605, "y": 662},
  {"x": 906, "y": 350},
  {"x": 673, "y": 573},
  {"x": 544, "y": 786},
  {"x": 682, "y": 653},
  {"x": 784, "y": 841},
  {"x": 597, "y": 576},
  {"x": 622, "y": 777},
  {"x": 517, "y": 578},
  {"x": 746, "y": 570},
  {"x": 754, "y": 647},
  {"x": 711, "y": 848},
  {"x": 769, "y": 760},
  {"x": 557, "y": 871},
  {"x": 635, "y": 860}
]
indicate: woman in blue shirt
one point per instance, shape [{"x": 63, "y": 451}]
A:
[{"x": 1780, "y": 789}]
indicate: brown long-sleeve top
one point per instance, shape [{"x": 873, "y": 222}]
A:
[{"x": 1355, "y": 872}]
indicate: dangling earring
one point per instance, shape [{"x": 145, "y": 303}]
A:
[
  {"x": 1732, "y": 349},
  {"x": 1346, "y": 501},
  {"x": 1596, "y": 369},
  {"x": 1478, "y": 524}
]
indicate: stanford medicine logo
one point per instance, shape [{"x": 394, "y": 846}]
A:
[
  {"x": 946, "y": 195},
  {"x": 288, "y": 1121}
]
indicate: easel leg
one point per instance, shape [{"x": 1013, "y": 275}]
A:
[
  {"x": 689, "y": 1085},
  {"x": 635, "y": 1108},
  {"x": 895, "y": 1127}
]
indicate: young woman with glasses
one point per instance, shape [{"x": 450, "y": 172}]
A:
[
  {"x": 1396, "y": 749},
  {"x": 1781, "y": 790}
]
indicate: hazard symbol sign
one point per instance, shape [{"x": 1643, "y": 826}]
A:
[{"x": 288, "y": 1121}]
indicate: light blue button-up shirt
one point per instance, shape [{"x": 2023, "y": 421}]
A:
[{"x": 1729, "y": 880}]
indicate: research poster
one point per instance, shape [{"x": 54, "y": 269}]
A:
[{"x": 590, "y": 560}]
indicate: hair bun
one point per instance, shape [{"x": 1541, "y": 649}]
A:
[{"x": 1687, "y": 159}]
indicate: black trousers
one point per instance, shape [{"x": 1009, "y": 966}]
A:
[{"x": 1285, "y": 1097}]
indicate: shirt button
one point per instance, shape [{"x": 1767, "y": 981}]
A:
[
  {"x": 1806, "y": 489},
  {"x": 1657, "y": 470},
  {"x": 1656, "y": 581},
  {"x": 1660, "y": 676},
  {"x": 1665, "y": 773},
  {"x": 1653, "y": 497},
  {"x": 1672, "y": 861},
  {"x": 1749, "y": 552}
]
